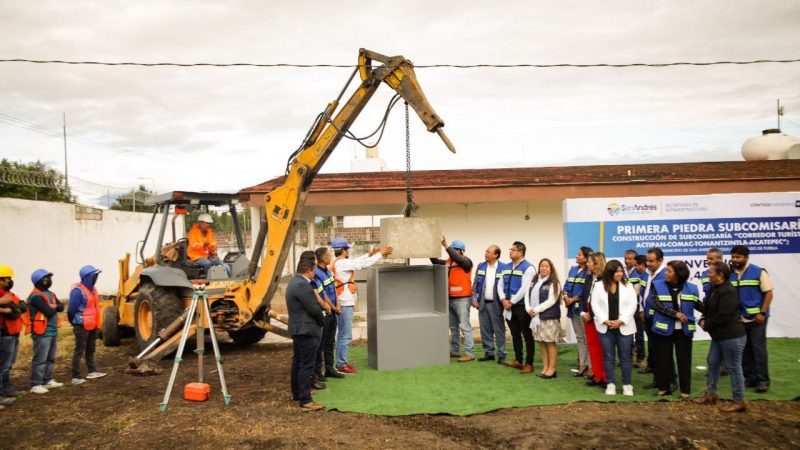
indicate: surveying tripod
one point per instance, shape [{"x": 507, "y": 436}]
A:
[{"x": 203, "y": 314}]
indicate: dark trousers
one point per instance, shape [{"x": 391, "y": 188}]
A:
[
  {"x": 638, "y": 338},
  {"x": 326, "y": 344},
  {"x": 84, "y": 345},
  {"x": 305, "y": 350},
  {"x": 754, "y": 359},
  {"x": 520, "y": 325},
  {"x": 663, "y": 369},
  {"x": 9, "y": 346}
]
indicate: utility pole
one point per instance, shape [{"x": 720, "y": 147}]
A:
[{"x": 66, "y": 174}]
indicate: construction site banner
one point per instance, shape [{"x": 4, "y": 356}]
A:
[{"x": 685, "y": 227}]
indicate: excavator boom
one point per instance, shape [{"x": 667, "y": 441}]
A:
[{"x": 284, "y": 204}]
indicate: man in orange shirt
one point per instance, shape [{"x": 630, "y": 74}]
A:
[{"x": 203, "y": 244}]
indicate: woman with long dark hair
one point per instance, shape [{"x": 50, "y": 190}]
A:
[
  {"x": 614, "y": 303},
  {"x": 673, "y": 300},
  {"x": 596, "y": 264},
  {"x": 541, "y": 302}
]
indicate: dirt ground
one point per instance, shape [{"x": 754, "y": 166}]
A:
[{"x": 121, "y": 411}]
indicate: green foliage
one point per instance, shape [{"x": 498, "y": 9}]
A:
[
  {"x": 134, "y": 201},
  {"x": 32, "y": 181},
  {"x": 223, "y": 222}
]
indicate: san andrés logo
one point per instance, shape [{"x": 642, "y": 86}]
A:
[{"x": 615, "y": 209}]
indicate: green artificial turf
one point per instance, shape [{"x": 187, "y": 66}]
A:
[{"x": 477, "y": 387}]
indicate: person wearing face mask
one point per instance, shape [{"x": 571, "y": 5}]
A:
[
  {"x": 43, "y": 308},
  {"x": 83, "y": 313},
  {"x": 12, "y": 309}
]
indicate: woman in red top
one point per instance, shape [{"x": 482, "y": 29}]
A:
[{"x": 596, "y": 264}]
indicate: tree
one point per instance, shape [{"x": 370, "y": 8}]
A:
[
  {"x": 134, "y": 200},
  {"x": 32, "y": 181}
]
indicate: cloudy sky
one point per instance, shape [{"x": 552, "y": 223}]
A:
[{"x": 228, "y": 128}]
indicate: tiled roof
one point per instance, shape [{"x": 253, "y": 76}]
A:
[{"x": 549, "y": 176}]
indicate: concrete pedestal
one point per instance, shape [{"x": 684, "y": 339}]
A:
[{"x": 407, "y": 317}]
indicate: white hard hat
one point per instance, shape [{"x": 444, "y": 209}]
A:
[{"x": 205, "y": 217}]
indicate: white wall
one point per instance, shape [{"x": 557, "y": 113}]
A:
[
  {"x": 482, "y": 224},
  {"x": 47, "y": 235}
]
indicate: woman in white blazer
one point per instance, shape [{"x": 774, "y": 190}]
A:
[{"x": 614, "y": 304}]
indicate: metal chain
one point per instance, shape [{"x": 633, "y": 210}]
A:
[{"x": 411, "y": 207}]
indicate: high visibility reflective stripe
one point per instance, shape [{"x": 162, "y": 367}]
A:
[
  {"x": 755, "y": 310},
  {"x": 692, "y": 327},
  {"x": 498, "y": 275},
  {"x": 580, "y": 280},
  {"x": 651, "y": 311},
  {"x": 320, "y": 289},
  {"x": 662, "y": 325},
  {"x": 480, "y": 272},
  {"x": 749, "y": 282},
  {"x": 689, "y": 297},
  {"x": 634, "y": 280},
  {"x": 506, "y": 272},
  {"x": 665, "y": 298},
  {"x": 571, "y": 279},
  {"x": 705, "y": 280},
  {"x": 518, "y": 273}
]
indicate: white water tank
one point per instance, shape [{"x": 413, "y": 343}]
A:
[{"x": 772, "y": 144}]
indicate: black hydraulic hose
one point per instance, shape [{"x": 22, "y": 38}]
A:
[{"x": 258, "y": 247}]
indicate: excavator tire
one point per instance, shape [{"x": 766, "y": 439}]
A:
[
  {"x": 247, "y": 336},
  {"x": 111, "y": 326},
  {"x": 155, "y": 308}
]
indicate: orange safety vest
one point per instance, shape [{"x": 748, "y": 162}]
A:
[
  {"x": 39, "y": 320},
  {"x": 459, "y": 281},
  {"x": 13, "y": 326},
  {"x": 338, "y": 285},
  {"x": 196, "y": 248},
  {"x": 90, "y": 311}
]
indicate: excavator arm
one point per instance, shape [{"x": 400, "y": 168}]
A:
[{"x": 284, "y": 204}]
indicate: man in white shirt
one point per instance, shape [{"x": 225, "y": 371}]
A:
[
  {"x": 343, "y": 269},
  {"x": 486, "y": 298}
]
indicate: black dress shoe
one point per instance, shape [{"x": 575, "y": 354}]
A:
[
  {"x": 548, "y": 377},
  {"x": 486, "y": 358},
  {"x": 321, "y": 377},
  {"x": 318, "y": 385},
  {"x": 593, "y": 382},
  {"x": 333, "y": 374},
  {"x": 501, "y": 361},
  {"x": 652, "y": 385}
]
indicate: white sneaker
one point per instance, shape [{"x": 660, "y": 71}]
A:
[
  {"x": 611, "y": 389},
  {"x": 95, "y": 375},
  {"x": 78, "y": 381},
  {"x": 627, "y": 389},
  {"x": 52, "y": 384},
  {"x": 39, "y": 390}
]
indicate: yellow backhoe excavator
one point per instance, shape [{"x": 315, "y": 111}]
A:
[{"x": 153, "y": 301}]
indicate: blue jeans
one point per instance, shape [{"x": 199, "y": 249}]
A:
[
  {"x": 9, "y": 345},
  {"x": 459, "y": 322},
  {"x": 493, "y": 329},
  {"x": 206, "y": 263},
  {"x": 344, "y": 325},
  {"x": 754, "y": 359},
  {"x": 613, "y": 342},
  {"x": 729, "y": 350},
  {"x": 44, "y": 357}
]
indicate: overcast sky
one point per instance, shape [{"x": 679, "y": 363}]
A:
[{"x": 229, "y": 128}]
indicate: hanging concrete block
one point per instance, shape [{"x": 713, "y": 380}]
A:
[{"x": 412, "y": 237}]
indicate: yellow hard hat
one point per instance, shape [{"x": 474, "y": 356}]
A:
[{"x": 6, "y": 272}]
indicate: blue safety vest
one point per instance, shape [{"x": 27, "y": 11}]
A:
[
  {"x": 575, "y": 285},
  {"x": 689, "y": 296},
  {"x": 553, "y": 312},
  {"x": 749, "y": 287},
  {"x": 707, "y": 286},
  {"x": 648, "y": 302},
  {"x": 512, "y": 277},
  {"x": 480, "y": 277},
  {"x": 323, "y": 280}
]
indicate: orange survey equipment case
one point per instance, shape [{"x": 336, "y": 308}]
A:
[{"x": 197, "y": 392}]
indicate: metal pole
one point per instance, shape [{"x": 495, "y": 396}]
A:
[
  {"x": 66, "y": 173},
  {"x": 133, "y": 198}
]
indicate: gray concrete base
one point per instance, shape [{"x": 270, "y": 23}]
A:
[{"x": 407, "y": 317}]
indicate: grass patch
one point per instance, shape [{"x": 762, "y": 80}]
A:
[{"x": 478, "y": 387}]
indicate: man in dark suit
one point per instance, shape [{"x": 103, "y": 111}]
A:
[{"x": 305, "y": 327}]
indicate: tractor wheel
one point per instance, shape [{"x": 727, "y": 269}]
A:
[
  {"x": 247, "y": 336},
  {"x": 155, "y": 308},
  {"x": 111, "y": 326}
]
